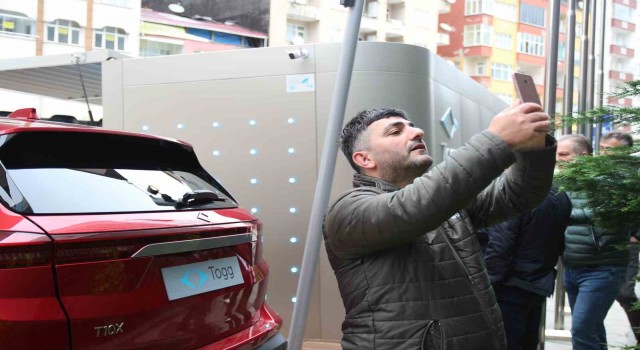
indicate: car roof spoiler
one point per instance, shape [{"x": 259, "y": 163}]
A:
[{"x": 24, "y": 113}]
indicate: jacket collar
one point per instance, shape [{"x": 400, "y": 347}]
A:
[{"x": 361, "y": 180}]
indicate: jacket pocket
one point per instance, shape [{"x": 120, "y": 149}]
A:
[{"x": 433, "y": 336}]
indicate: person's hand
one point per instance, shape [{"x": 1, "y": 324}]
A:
[{"x": 522, "y": 126}]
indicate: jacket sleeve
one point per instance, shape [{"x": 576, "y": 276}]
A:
[
  {"x": 524, "y": 185},
  {"x": 501, "y": 248},
  {"x": 366, "y": 220}
]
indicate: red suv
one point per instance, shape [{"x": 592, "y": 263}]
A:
[{"x": 115, "y": 240}]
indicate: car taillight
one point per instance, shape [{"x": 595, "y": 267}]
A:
[
  {"x": 256, "y": 228},
  {"x": 74, "y": 254},
  {"x": 80, "y": 248},
  {"x": 24, "y": 249}
]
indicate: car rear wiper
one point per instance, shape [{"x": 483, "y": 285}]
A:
[{"x": 198, "y": 197}]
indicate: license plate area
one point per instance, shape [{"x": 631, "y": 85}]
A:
[{"x": 201, "y": 277}]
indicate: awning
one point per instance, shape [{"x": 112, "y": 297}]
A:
[
  {"x": 156, "y": 29},
  {"x": 57, "y": 75}
]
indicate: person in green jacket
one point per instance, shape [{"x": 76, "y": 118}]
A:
[
  {"x": 627, "y": 294},
  {"x": 595, "y": 260}
]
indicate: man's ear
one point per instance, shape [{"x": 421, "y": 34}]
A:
[{"x": 363, "y": 160}]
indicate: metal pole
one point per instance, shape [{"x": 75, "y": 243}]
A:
[
  {"x": 325, "y": 175},
  {"x": 591, "y": 90},
  {"x": 584, "y": 62},
  {"x": 569, "y": 64},
  {"x": 600, "y": 100},
  {"x": 550, "y": 86}
]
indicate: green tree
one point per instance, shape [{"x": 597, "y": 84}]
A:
[{"x": 611, "y": 182}]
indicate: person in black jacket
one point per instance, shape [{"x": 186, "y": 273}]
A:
[{"x": 520, "y": 256}]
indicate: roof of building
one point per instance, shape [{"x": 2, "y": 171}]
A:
[{"x": 149, "y": 15}]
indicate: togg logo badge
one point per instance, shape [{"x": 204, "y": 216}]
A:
[{"x": 186, "y": 278}]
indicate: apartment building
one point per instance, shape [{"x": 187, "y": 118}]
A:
[
  {"x": 491, "y": 39},
  {"x": 321, "y": 21},
  {"x": 48, "y": 27},
  {"x": 620, "y": 60}
]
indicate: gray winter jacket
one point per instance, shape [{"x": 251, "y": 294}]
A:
[{"x": 408, "y": 265}]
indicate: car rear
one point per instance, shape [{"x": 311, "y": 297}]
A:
[{"x": 132, "y": 244}]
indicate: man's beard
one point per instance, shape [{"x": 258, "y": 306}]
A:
[{"x": 404, "y": 171}]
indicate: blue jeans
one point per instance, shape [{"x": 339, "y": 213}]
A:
[{"x": 591, "y": 292}]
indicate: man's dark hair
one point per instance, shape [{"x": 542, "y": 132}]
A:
[
  {"x": 624, "y": 138},
  {"x": 358, "y": 125},
  {"x": 580, "y": 143}
]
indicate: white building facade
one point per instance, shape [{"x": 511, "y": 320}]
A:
[
  {"x": 48, "y": 27},
  {"x": 323, "y": 21}
]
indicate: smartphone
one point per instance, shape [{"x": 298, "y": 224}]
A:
[{"x": 526, "y": 88}]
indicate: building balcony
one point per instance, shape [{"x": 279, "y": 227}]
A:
[
  {"x": 621, "y": 76},
  {"x": 621, "y": 51},
  {"x": 300, "y": 11},
  {"x": 620, "y": 101},
  {"x": 531, "y": 59},
  {"x": 369, "y": 24},
  {"x": 623, "y": 25},
  {"x": 394, "y": 28},
  {"x": 631, "y": 3},
  {"x": 482, "y": 80},
  {"x": 478, "y": 51}
]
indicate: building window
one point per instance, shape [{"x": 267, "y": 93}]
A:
[
  {"x": 505, "y": 11},
  {"x": 371, "y": 9},
  {"x": 294, "y": 30},
  {"x": 158, "y": 48},
  {"x": 530, "y": 44},
  {"x": 63, "y": 31},
  {"x": 500, "y": 71},
  {"x": 110, "y": 38},
  {"x": 16, "y": 23},
  {"x": 533, "y": 15},
  {"x": 504, "y": 41},
  {"x": 623, "y": 13},
  {"x": 480, "y": 69},
  {"x": 474, "y": 7},
  {"x": 477, "y": 34}
]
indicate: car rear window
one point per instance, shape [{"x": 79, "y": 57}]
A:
[{"x": 77, "y": 172}]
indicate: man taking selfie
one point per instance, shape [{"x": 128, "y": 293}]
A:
[{"x": 401, "y": 242}]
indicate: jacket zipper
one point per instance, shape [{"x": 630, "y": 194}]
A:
[{"x": 474, "y": 286}]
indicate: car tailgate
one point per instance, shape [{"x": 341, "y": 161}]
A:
[{"x": 175, "y": 280}]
